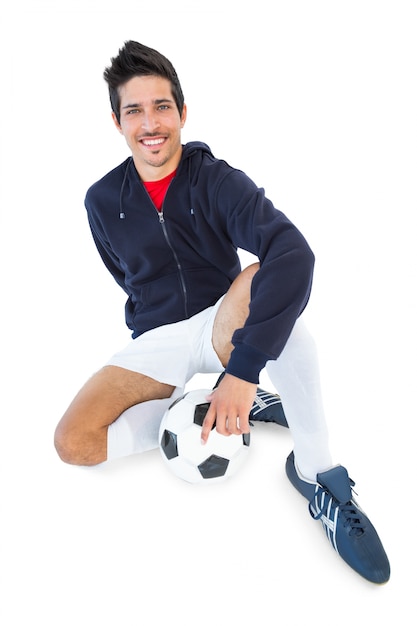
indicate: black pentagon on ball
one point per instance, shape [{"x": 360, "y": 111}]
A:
[
  {"x": 246, "y": 439},
  {"x": 169, "y": 444},
  {"x": 200, "y": 412},
  {"x": 213, "y": 467}
]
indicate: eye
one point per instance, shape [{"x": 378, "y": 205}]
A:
[{"x": 132, "y": 111}]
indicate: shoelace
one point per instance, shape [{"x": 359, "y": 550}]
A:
[{"x": 324, "y": 505}]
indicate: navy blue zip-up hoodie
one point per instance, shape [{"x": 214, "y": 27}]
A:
[{"x": 176, "y": 263}]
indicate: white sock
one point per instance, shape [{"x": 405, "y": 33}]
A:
[
  {"x": 137, "y": 428},
  {"x": 296, "y": 377}
]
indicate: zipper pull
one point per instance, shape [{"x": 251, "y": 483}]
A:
[{"x": 161, "y": 217}]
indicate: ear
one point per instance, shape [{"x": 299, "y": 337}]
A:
[
  {"x": 116, "y": 123},
  {"x": 183, "y": 115}
]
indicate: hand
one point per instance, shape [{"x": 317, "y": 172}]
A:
[{"x": 230, "y": 405}]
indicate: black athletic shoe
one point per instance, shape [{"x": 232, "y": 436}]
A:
[
  {"x": 348, "y": 529},
  {"x": 267, "y": 407}
]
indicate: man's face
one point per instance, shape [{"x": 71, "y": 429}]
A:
[{"x": 151, "y": 124}]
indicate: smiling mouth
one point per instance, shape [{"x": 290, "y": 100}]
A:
[{"x": 151, "y": 143}]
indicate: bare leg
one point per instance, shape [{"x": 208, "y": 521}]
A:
[
  {"x": 81, "y": 435},
  {"x": 232, "y": 313}
]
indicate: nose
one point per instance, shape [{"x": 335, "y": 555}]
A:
[{"x": 149, "y": 121}]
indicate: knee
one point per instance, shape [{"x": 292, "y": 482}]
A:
[
  {"x": 74, "y": 448},
  {"x": 64, "y": 446},
  {"x": 240, "y": 289},
  {"x": 249, "y": 272}
]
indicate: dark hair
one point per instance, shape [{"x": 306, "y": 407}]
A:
[{"x": 135, "y": 59}]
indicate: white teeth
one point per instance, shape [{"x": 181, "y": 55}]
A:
[{"x": 152, "y": 142}]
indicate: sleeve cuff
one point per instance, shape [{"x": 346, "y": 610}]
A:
[{"x": 246, "y": 363}]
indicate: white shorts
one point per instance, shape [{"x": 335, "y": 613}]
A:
[{"x": 174, "y": 353}]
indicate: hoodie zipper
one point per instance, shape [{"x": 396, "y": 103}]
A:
[{"x": 177, "y": 261}]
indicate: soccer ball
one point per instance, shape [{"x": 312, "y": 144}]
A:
[{"x": 181, "y": 447}]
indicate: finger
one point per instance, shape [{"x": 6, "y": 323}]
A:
[
  {"x": 229, "y": 425},
  {"x": 208, "y": 424},
  {"x": 222, "y": 424},
  {"x": 232, "y": 425},
  {"x": 244, "y": 425}
]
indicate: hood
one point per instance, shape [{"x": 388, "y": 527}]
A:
[{"x": 192, "y": 157}]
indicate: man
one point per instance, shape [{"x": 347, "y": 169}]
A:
[{"x": 168, "y": 223}]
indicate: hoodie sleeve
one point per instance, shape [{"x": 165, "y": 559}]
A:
[
  {"x": 109, "y": 258},
  {"x": 282, "y": 286}
]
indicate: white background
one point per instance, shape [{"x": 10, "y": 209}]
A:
[{"x": 316, "y": 101}]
